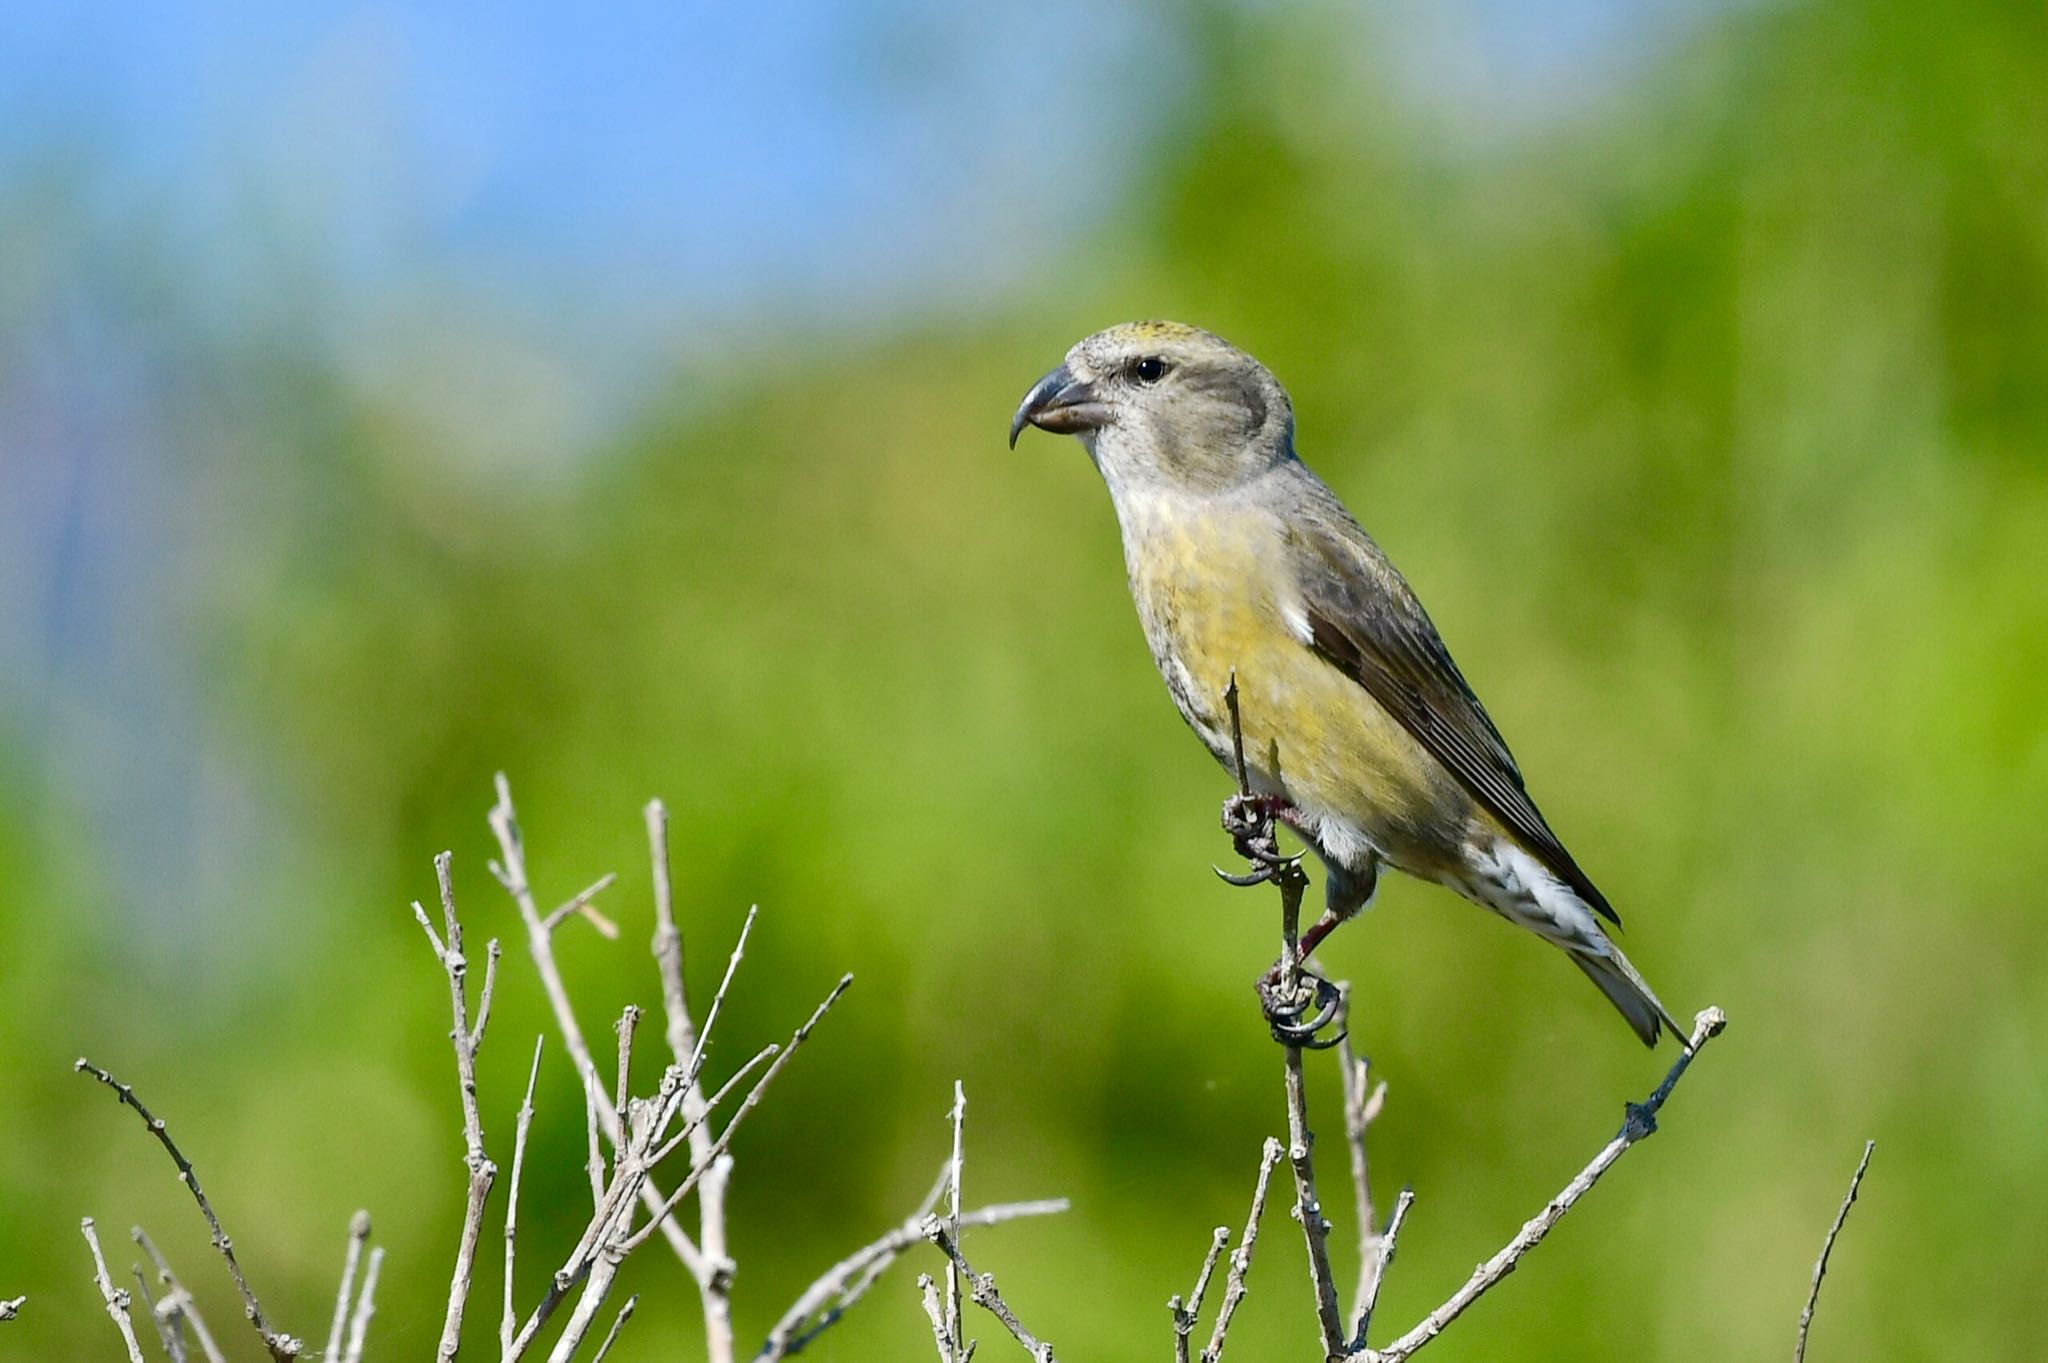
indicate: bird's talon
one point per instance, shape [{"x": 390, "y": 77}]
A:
[
  {"x": 1251, "y": 851},
  {"x": 1283, "y": 1013},
  {"x": 1256, "y": 876},
  {"x": 1314, "y": 1043},
  {"x": 1305, "y": 1036}
]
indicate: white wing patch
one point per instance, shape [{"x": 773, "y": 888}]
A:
[
  {"x": 1297, "y": 621},
  {"x": 1522, "y": 889}
]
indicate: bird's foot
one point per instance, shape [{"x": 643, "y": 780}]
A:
[
  {"x": 1298, "y": 1004},
  {"x": 1254, "y": 816},
  {"x": 1251, "y": 821}
]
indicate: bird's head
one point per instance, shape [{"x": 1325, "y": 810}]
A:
[{"x": 1163, "y": 403}]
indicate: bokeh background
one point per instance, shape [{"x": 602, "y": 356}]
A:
[{"x": 391, "y": 394}]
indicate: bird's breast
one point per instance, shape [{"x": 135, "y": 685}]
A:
[
  {"x": 1203, "y": 599},
  {"x": 1216, "y": 598}
]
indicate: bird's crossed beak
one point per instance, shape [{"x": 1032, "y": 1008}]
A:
[{"x": 1059, "y": 403}]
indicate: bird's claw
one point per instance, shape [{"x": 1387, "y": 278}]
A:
[
  {"x": 1250, "y": 821},
  {"x": 1284, "y": 996},
  {"x": 1248, "y": 817},
  {"x": 1266, "y": 866},
  {"x": 1266, "y": 856},
  {"x": 1258, "y": 875}
]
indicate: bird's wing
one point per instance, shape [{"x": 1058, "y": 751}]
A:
[{"x": 1364, "y": 620}]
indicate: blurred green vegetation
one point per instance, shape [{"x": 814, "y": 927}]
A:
[{"x": 1709, "y": 424}]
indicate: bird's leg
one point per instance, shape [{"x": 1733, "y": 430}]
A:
[
  {"x": 1297, "y": 1001},
  {"x": 1291, "y": 988},
  {"x": 1349, "y": 892}
]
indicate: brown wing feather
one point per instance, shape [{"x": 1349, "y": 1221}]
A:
[{"x": 1364, "y": 620}]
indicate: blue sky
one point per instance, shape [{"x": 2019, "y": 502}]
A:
[
  {"x": 681, "y": 154},
  {"x": 696, "y": 152}
]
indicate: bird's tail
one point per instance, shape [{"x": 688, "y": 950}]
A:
[{"x": 1626, "y": 990}]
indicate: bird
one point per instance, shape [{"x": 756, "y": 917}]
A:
[{"x": 1356, "y": 727}]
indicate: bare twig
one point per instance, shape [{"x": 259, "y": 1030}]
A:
[
  {"x": 936, "y": 1313},
  {"x": 714, "y": 1269},
  {"x": 508, "y": 1320},
  {"x": 593, "y": 1160},
  {"x": 1368, "y": 1303},
  {"x": 1308, "y": 1208},
  {"x": 1820, "y": 1265},
  {"x": 628, "y": 1023},
  {"x": 1640, "y": 1122},
  {"x": 981, "y": 1288},
  {"x": 953, "y": 1175},
  {"x": 1186, "y": 1313},
  {"x": 747, "y": 1104},
  {"x": 625, "y": 1314},
  {"x": 840, "y": 1286},
  {"x": 1234, "y": 1288},
  {"x": 732, "y": 964},
  {"x": 467, "y": 1039},
  {"x": 608, "y": 1238},
  {"x": 1362, "y": 1103},
  {"x": 169, "y": 1323},
  {"x": 366, "y": 1307},
  {"x": 606, "y": 928},
  {"x": 282, "y": 1346},
  {"x": 511, "y": 873},
  {"x": 351, "y": 1259},
  {"x": 115, "y": 1298},
  {"x": 595, "y": 1289},
  {"x": 717, "y": 1100},
  {"x": 177, "y": 1298}
]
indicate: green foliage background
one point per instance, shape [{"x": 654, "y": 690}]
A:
[{"x": 1710, "y": 424}]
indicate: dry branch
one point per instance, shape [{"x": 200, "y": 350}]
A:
[
  {"x": 953, "y": 1175},
  {"x": 981, "y": 1289},
  {"x": 116, "y": 1298},
  {"x": 1827, "y": 1246},
  {"x": 351, "y": 1259},
  {"x": 510, "y": 871},
  {"x": 714, "y": 1267},
  {"x": 1367, "y": 1304},
  {"x": 1640, "y": 1122},
  {"x": 618, "y": 1321},
  {"x": 928, "y": 1291},
  {"x": 1234, "y": 1283},
  {"x": 747, "y": 1104},
  {"x": 1308, "y": 1207},
  {"x": 282, "y": 1346},
  {"x": 641, "y": 1133},
  {"x": 177, "y": 1298},
  {"x": 467, "y": 1039},
  {"x": 583, "y": 904},
  {"x": 508, "y": 1320},
  {"x": 1363, "y": 1101},
  {"x": 170, "y": 1325},
  {"x": 1187, "y": 1313},
  {"x": 366, "y": 1307},
  {"x": 825, "y": 1301}
]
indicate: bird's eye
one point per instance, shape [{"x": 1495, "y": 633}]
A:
[{"x": 1149, "y": 369}]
